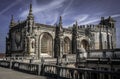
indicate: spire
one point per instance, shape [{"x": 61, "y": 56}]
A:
[
  {"x": 110, "y": 17},
  {"x": 30, "y": 11},
  {"x": 102, "y": 21},
  {"x": 12, "y": 21},
  {"x": 75, "y": 26},
  {"x": 102, "y": 18},
  {"x": 60, "y": 21},
  {"x": 76, "y": 23},
  {"x": 74, "y": 38}
]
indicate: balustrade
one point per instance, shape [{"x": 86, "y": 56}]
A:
[
  {"x": 78, "y": 73},
  {"x": 25, "y": 67},
  {"x": 61, "y": 72},
  {"x": 4, "y": 63}
]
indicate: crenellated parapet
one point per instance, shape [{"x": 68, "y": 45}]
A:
[{"x": 94, "y": 27}]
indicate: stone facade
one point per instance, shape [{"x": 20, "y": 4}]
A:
[{"x": 28, "y": 38}]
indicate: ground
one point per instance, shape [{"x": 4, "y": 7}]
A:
[{"x": 6, "y": 73}]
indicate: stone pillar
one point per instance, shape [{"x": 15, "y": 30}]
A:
[
  {"x": 108, "y": 42},
  {"x": 11, "y": 64},
  {"x": 36, "y": 47},
  {"x": 74, "y": 38},
  {"x": 111, "y": 43},
  {"x": 83, "y": 76},
  {"x": 100, "y": 39},
  {"x": 62, "y": 46},
  {"x": 28, "y": 45},
  {"x": 58, "y": 44}
]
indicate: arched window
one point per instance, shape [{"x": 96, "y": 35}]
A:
[
  {"x": 66, "y": 45},
  {"x": 46, "y": 44},
  {"x": 85, "y": 44}
]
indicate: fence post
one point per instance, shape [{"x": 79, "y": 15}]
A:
[
  {"x": 10, "y": 64},
  {"x": 39, "y": 69},
  {"x": 58, "y": 72}
]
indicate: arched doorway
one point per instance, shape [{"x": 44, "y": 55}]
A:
[
  {"x": 66, "y": 45},
  {"x": 46, "y": 44},
  {"x": 85, "y": 44}
]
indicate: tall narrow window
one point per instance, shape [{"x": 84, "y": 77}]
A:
[
  {"x": 46, "y": 44},
  {"x": 66, "y": 45}
]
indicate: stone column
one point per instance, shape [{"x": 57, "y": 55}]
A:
[
  {"x": 36, "y": 46},
  {"x": 83, "y": 76},
  {"x": 100, "y": 39},
  {"x": 108, "y": 42},
  {"x": 61, "y": 46}
]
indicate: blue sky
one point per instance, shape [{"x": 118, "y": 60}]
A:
[{"x": 48, "y": 12}]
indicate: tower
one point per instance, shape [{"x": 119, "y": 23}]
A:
[
  {"x": 74, "y": 38},
  {"x": 110, "y": 28},
  {"x": 30, "y": 20},
  {"x": 58, "y": 45},
  {"x": 29, "y": 31}
]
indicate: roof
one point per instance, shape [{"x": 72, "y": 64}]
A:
[
  {"x": 50, "y": 26},
  {"x": 44, "y": 25}
]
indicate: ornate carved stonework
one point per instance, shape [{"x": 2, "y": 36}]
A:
[
  {"x": 18, "y": 38},
  {"x": 21, "y": 34}
]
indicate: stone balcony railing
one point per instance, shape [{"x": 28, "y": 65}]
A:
[
  {"x": 60, "y": 72},
  {"x": 78, "y": 73},
  {"x": 23, "y": 67}
]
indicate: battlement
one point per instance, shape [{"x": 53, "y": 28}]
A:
[
  {"x": 86, "y": 26},
  {"x": 94, "y": 27}
]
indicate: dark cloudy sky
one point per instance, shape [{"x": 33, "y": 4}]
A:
[{"x": 48, "y": 12}]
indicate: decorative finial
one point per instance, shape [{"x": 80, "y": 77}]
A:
[
  {"x": 102, "y": 18},
  {"x": 76, "y": 23},
  {"x": 12, "y": 21},
  {"x": 60, "y": 21},
  {"x": 110, "y": 18},
  {"x": 30, "y": 11},
  {"x": 30, "y": 16}
]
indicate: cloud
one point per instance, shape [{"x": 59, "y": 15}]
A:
[
  {"x": 47, "y": 19},
  {"x": 50, "y": 6},
  {"x": 78, "y": 18},
  {"x": 116, "y": 15},
  {"x": 90, "y": 21},
  {"x": 85, "y": 19},
  {"x": 81, "y": 18},
  {"x": 65, "y": 11},
  {"x": 10, "y": 6},
  {"x": 98, "y": 19}
]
